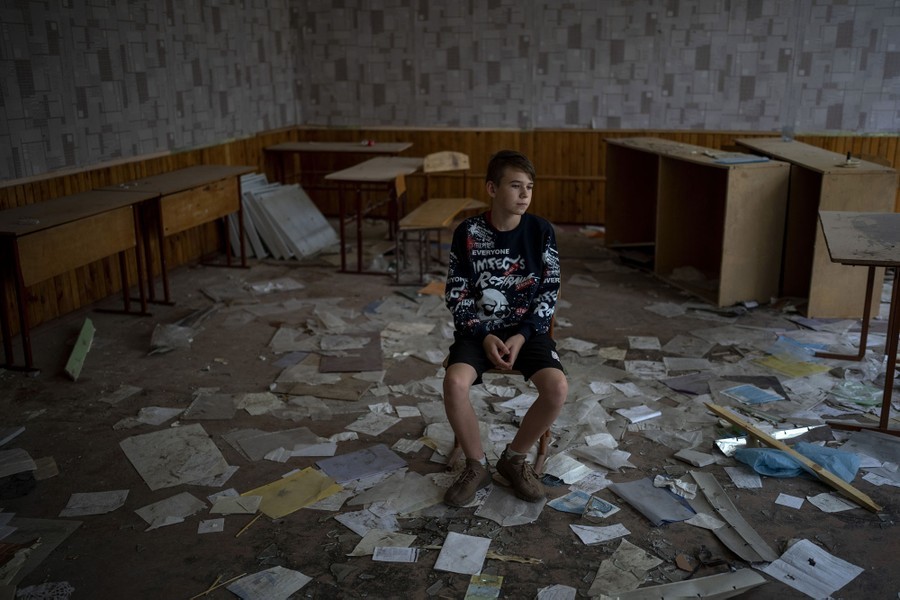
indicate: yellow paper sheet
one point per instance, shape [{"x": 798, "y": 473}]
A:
[
  {"x": 286, "y": 495},
  {"x": 789, "y": 367}
]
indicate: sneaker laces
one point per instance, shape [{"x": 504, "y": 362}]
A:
[{"x": 468, "y": 474}]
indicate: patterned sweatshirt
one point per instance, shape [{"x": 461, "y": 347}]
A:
[{"x": 499, "y": 279}]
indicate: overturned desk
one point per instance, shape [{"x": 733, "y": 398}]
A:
[
  {"x": 871, "y": 240},
  {"x": 381, "y": 174},
  {"x": 184, "y": 199},
  {"x": 43, "y": 240}
]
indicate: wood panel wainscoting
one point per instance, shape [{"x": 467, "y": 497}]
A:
[{"x": 570, "y": 187}]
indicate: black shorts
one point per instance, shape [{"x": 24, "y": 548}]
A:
[{"x": 538, "y": 352}]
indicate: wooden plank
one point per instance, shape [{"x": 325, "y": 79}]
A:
[
  {"x": 80, "y": 350},
  {"x": 841, "y": 486}
]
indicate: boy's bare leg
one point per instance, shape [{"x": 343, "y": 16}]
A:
[
  {"x": 552, "y": 388},
  {"x": 457, "y": 381}
]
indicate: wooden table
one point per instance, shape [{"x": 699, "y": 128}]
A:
[
  {"x": 717, "y": 213},
  {"x": 826, "y": 181},
  {"x": 288, "y": 151},
  {"x": 49, "y": 238},
  {"x": 184, "y": 199},
  {"x": 383, "y": 173},
  {"x": 436, "y": 214},
  {"x": 871, "y": 240}
]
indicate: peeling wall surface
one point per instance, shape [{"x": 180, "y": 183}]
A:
[{"x": 85, "y": 82}]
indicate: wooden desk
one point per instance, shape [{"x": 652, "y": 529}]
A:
[
  {"x": 821, "y": 180},
  {"x": 289, "y": 151},
  {"x": 184, "y": 199},
  {"x": 436, "y": 214},
  {"x": 719, "y": 213},
  {"x": 381, "y": 173},
  {"x": 871, "y": 240},
  {"x": 49, "y": 238}
]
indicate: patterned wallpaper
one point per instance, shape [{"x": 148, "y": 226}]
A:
[{"x": 84, "y": 82}]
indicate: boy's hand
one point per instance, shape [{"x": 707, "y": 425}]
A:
[
  {"x": 498, "y": 352},
  {"x": 514, "y": 344}
]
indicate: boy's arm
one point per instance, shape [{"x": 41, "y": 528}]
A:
[
  {"x": 540, "y": 313},
  {"x": 458, "y": 294}
]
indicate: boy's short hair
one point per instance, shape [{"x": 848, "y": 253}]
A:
[{"x": 508, "y": 159}]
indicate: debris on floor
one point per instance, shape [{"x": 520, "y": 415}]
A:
[{"x": 322, "y": 406}]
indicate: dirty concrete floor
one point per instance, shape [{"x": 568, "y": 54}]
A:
[{"x": 112, "y": 556}]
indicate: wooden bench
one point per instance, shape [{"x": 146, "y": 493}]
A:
[{"x": 436, "y": 214}]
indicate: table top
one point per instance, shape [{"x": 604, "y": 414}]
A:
[
  {"x": 22, "y": 220},
  {"x": 341, "y": 147},
  {"x": 862, "y": 238},
  {"x": 183, "y": 179},
  {"x": 697, "y": 154},
  {"x": 812, "y": 157},
  {"x": 381, "y": 169},
  {"x": 438, "y": 212}
]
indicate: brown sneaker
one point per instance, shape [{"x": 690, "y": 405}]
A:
[
  {"x": 521, "y": 477},
  {"x": 474, "y": 476}
]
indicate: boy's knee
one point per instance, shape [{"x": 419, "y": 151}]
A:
[
  {"x": 455, "y": 386},
  {"x": 556, "y": 390}
]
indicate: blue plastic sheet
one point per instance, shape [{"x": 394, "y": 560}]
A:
[{"x": 777, "y": 463}]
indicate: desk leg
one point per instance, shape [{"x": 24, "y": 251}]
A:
[
  {"x": 161, "y": 240},
  {"x": 891, "y": 350},
  {"x": 24, "y": 325},
  {"x": 123, "y": 272},
  {"x": 138, "y": 250},
  {"x": 864, "y": 332},
  {"x": 359, "y": 230},
  {"x": 241, "y": 236},
  {"x": 342, "y": 216},
  {"x": 5, "y": 314}
]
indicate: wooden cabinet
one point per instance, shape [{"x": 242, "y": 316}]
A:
[
  {"x": 716, "y": 219},
  {"x": 825, "y": 180}
]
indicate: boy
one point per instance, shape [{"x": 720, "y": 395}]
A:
[{"x": 502, "y": 285}]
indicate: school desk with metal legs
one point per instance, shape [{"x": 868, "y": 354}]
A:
[
  {"x": 871, "y": 240},
  {"x": 292, "y": 153},
  {"x": 382, "y": 174},
  {"x": 46, "y": 239},
  {"x": 184, "y": 199}
]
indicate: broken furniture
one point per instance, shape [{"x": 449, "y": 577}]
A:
[
  {"x": 47, "y": 239},
  {"x": 716, "y": 218},
  {"x": 871, "y": 240},
  {"x": 184, "y": 199},
  {"x": 287, "y": 158},
  {"x": 759, "y": 436},
  {"x": 824, "y": 180},
  {"x": 385, "y": 174}
]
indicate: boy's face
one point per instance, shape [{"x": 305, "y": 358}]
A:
[{"x": 513, "y": 195}]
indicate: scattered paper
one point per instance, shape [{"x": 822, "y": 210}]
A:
[
  {"x": 276, "y": 583},
  {"x": 830, "y": 503},
  {"x": 590, "y": 534},
  {"x": 392, "y": 554},
  {"x": 171, "y": 510},
  {"x": 292, "y": 493},
  {"x": 462, "y": 553},
  {"x": 788, "y": 500},
  {"x": 811, "y": 570},
  {"x": 171, "y": 457},
  {"x": 362, "y": 463},
  {"x": 94, "y": 503}
]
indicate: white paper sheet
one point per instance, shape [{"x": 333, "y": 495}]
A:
[
  {"x": 590, "y": 534},
  {"x": 811, "y": 570},
  {"x": 462, "y": 553}
]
